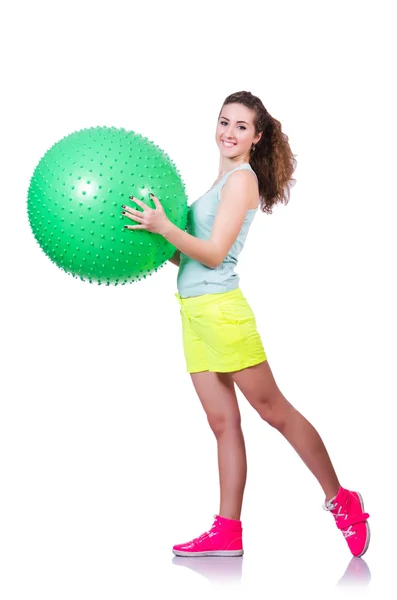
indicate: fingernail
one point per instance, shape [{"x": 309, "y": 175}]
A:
[
  {"x": 125, "y": 226},
  {"x": 123, "y": 206},
  {"x": 123, "y": 213}
]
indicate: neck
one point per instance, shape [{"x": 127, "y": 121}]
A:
[{"x": 227, "y": 164}]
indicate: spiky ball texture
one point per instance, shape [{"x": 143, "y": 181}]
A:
[{"x": 75, "y": 202}]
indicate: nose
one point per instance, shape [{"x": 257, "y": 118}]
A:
[{"x": 228, "y": 134}]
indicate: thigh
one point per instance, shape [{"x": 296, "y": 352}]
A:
[
  {"x": 261, "y": 390},
  {"x": 217, "y": 395},
  {"x": 259, "y": 386}
]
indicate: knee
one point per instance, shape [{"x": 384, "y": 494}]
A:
[
  {"x": 221, "y": 423},
  {"x": 274, "y": 411}
]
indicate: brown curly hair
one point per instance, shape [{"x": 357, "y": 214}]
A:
[{"x": 271, "y": 158}]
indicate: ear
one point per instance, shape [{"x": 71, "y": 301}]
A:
[{"x": 258, "y": 138}]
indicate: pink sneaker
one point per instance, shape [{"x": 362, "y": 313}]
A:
[
  {"x": 225, "y": 538},
  {"x": 348, "y": 510}
]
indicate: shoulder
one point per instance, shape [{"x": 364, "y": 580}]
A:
[
  {"x": 242, "y": 184},
  {"x": 244, "y": 179}
]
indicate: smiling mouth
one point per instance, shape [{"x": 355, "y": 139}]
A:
[{"x": 228, "y": 144}]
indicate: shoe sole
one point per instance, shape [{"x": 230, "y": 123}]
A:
[
  {"x": 367, "y": 526},
  {"x": 210, "y": 553}
]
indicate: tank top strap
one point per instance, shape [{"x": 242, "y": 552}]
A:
[{"x": 242, "y": 166}]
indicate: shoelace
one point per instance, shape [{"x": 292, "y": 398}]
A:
[
  {"x": 206, "y": 533},
  {"x": 330, "y": 505}
]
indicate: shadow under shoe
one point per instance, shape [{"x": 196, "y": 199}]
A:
[
  {"x": 225, "y": 569},
  {"x": 357, "y": 574}
]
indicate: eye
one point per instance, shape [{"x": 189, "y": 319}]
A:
[{"x": 225, "y": 123}]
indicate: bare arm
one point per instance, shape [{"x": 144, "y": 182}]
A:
[{"x": 237, "y": 196}]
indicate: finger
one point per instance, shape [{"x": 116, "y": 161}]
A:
[
  {"x": 140, "y": 203},
  {"x": 134, "y": 227},
  {"x": 130, "y": 210},
  {"x": 131, "y": 213},
  {"x": 155, "y": 200}
]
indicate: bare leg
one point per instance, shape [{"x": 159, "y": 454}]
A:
[
  {"x": 259, "y": 387},
  {"x": 218, "y": 396}
]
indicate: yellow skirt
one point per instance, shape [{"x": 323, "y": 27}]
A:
[{"x": 219, "y": 333}]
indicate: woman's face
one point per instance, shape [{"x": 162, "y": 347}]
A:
[{"x": 235, "y": 132}]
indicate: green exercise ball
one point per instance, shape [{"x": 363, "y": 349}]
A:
[{"x": 75, "y": 202}]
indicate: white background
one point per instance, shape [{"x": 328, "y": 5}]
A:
[{"x": 107, "y": 459}]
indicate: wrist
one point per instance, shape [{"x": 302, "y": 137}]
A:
[{"x": 167, "y": 229}]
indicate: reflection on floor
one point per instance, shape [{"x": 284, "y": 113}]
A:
[{"x": 222, "y": 570}]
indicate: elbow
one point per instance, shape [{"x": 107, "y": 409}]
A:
[
  {"x": 214, "y": 258},
  {"x": 215, "y": 263}
]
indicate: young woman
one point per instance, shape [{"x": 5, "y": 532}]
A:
[{"x": 221, "y": 343}]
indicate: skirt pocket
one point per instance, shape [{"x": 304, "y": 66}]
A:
[{"x": 237, "y": 313}]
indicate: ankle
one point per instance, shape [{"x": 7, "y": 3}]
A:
[
  {"x": 332, "y": 493},
  {"x": 229, "y": 516}
]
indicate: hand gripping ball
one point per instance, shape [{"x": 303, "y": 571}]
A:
[{"x": 75, "y": 198}]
